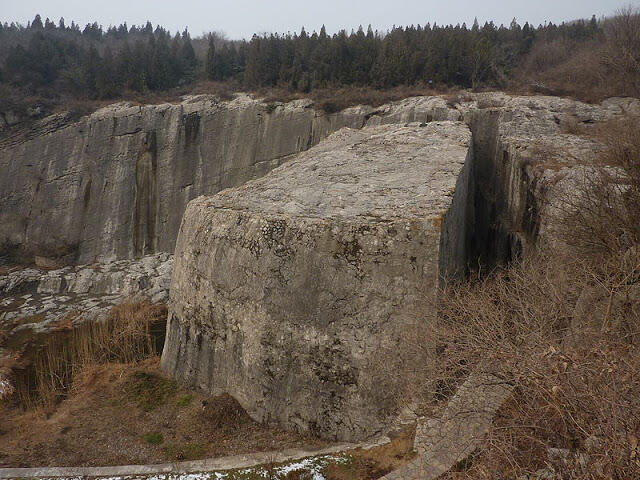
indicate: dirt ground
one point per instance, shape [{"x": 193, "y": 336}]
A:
[{"x": 133, "y": 414}]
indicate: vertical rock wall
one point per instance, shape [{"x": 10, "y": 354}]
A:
[{"x": 115, "y": 184}]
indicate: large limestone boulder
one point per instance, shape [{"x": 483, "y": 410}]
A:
[{"x": 287, "y": 292}]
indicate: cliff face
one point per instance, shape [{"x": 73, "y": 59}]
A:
[
  {"x": 283, "y": 287},
  {"x": 287, "y": 292},
  {"x": 116, "y": 183}
]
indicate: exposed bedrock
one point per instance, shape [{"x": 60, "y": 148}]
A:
[
  {"x": 115, "y": 184},
  {"x": 287, "y": 290}
]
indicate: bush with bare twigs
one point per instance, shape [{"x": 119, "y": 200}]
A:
[
  {"x": 604, "y": 67},
  {"x": 563, "y": 326}
]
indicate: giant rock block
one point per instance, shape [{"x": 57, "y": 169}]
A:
[{"x": 288, "y": 291}]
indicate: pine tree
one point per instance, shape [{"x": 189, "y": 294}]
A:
[{"x": 210, "y": 67}]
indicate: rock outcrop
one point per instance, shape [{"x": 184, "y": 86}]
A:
[
  {"x": 287, "y": 290},
  {"x": 115, "y": 184},
  {"x": 38, "y": 300},
  {"x": 316, "y": 260}
]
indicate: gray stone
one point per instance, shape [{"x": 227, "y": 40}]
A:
[
  {"x": 116, "y": 183},
  {"x": 87, "y": 291},
  {"x": 442, "y": 443},
  {"x": 285, "y": 289}
]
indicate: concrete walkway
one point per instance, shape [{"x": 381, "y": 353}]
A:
[{"x": 207, "y": 465}]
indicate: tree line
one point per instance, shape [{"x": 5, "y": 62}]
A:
[{"x": 90, "y": 62}]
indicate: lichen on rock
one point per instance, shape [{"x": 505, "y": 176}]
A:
[{"x": 287, "y": 290}]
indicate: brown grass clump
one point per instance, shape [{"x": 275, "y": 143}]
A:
[
  {"x": 131, "y": 332},
  {"x": 376, "y": 462}
]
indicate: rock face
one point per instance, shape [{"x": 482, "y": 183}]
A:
[
  {"x": 115, "y": 184},
  {"x": 286, "y": 290},
  {"x": 36, "y": 300}
]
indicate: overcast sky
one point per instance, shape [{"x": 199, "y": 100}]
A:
[{"x": 242, "y": 18}]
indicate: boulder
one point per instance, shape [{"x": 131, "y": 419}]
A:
[{"x": 287, "y": 292}]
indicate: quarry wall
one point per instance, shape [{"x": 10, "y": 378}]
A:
[
  {"x": 115, "y": 184},
  {"x": 286, "y": 287}
]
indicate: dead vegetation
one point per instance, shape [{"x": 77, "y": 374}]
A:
[
  {"x": 132, "y": 332},
  {"x": 563, "y": 327},
  {"x": 589, "y": 71},
  {"x": 94, "y": 395},
  {"x": 119, "y": 414}
]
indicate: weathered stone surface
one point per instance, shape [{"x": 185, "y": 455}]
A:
[
  {"x": 443, "y": 442},
  {"x": 115, "y": 184},
  {"x": 285, "y": 289},
  {"x": 37, "y": 300}
]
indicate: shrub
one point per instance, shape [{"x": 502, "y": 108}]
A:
[{"x": 184, "y": 400}]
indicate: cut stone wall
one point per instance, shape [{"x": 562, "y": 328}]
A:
[
  {"x": 115, "y": 184},
  {"x": 287, "y": 290}
]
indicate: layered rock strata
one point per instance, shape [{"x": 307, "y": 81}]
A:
[{"x": 287, "y": 291}]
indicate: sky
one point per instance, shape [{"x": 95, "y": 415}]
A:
[{"x": 241, "y": 18}]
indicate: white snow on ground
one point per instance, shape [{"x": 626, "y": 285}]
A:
[
  {"x": 6, "y": 388},
  {"x": 312, "y": 465}
]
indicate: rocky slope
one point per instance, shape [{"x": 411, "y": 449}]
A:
[{"x": 36, "y": 300}]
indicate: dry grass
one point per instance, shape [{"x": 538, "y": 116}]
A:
[
  {"x": 95, "y": 395},
  {"x": 376, "y": 462},
  {"x": 132, "y": 332},
  {"x": 109, "y": 410},
  {"x": 589, "y": 71}
]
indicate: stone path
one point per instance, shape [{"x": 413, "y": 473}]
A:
[
  {"x": 208, "y": 465},
  {"x": 442, "y": 443}
]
